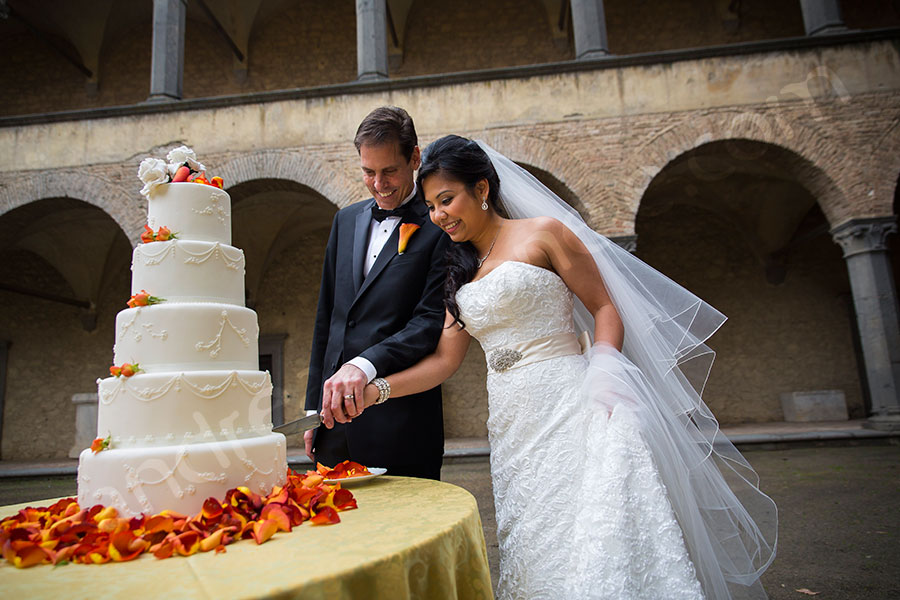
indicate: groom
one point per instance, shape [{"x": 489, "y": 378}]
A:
[{"x": 380, "y": 311}]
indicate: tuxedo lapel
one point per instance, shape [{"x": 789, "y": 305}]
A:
[
  {"x": 360, "y": 243},
  {"x": 415, "y": 215}
]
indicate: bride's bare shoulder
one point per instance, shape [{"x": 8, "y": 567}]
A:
[{"x": 538, "y": 224}]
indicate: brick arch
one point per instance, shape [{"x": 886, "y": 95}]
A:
[
  {"x": 291, "y": 166},
  {"x": 547, "y": 157},
  {"x": 885, "y": 169},
  {"x": 819, "y": 167},
  {"x": 125, "y": 207}
]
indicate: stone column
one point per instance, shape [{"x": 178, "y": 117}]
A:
[
  {"x": 589, "y": 27},
  {"x": 371, "y": 40},
  {"x": 167, "y": 66},
  {"x": 875, "y": 299},
  {"x": 822, "y": 16}
]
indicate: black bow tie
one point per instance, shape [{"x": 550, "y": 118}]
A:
[{"x": 380, "y": 214}]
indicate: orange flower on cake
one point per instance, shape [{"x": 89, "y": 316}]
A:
[
  {"x": 126, "y": 370},
  {"x": 163, "y": 234},
  {"x": 100, "y": 444},
  {"x": 143, "y": 299},
  {"x": 406, "y": 231}
]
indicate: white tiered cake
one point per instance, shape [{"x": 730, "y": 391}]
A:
[{"x": 195, "y": 421}]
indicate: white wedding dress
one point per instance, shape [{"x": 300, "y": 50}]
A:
[{"x": 581, "y": 509}]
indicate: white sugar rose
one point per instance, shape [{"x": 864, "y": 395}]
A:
[
  {"x": 152, "y": 172},
  {"x": 181, "y": 155}
]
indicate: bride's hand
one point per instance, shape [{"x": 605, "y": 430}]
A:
[{"x": 370, "y": 395}]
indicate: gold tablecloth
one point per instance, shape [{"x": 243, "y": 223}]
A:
[{"x": 409, "y": 538}]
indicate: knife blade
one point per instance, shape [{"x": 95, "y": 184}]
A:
[{"x": 299, "y": 425}]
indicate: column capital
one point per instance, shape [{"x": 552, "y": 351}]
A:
[{"x": 864, "y": 235}]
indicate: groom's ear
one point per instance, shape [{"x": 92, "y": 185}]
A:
[{"x": 415, "y": 159}]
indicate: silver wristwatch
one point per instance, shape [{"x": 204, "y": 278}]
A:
[{"x": 384, "y": 389}]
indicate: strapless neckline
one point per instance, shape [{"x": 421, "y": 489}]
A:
[{"x": 511, "y": 262}]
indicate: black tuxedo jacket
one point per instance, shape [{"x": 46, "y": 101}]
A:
[{"x": 393, "y": 317}]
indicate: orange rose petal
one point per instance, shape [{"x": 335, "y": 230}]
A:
[
  {"x": 263, "y": 530},
  {"x": 212, "y": 509},
  {"x": 63, "y": 555},
  {"x": 343, "y": 499},
  {"x": 25, "y": 554},
  {"x": 187, "y": 543},
  {"x": 174, "y": 515},
  {"x": 107, "y": 512},
  {"x": 274, "y": 513},
  {"x": 279, "y": 495},
  {"x": 124, "y": 546},
  {"x": 325, "y": 516},
  {"x": 214, "y": 540},
  {"x": 113, "y": 525},
  {"x": 159, "y": 523},
  {"x": 312, "y": 480}
]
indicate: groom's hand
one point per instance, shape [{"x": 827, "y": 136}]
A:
[{"x": 342, "y": 395}]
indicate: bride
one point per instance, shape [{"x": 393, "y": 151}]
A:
[{"x": 611, "y": 479}]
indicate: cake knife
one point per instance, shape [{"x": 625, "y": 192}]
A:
[{"x": 299, "y": 425}]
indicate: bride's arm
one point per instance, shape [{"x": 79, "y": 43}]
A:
[
  {"x": 575, "y": 265},
  {"x": 429, "y": 372}
]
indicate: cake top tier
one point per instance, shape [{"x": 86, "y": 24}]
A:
[
  {"x": 191, "y": 211},
  {"x": 183, "y": 201}
]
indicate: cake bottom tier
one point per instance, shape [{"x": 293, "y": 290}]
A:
[{"x": 179, "y": 478}]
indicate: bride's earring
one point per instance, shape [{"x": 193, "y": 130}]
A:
[{"x": 484, "y": 204}]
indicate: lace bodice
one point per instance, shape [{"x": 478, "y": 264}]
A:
[{"x": 515, "y": 302}]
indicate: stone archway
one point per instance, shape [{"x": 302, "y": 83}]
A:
[
  {"x": 291, "y": 166},
  {"x": 568, "y": 178},
  {"x": 64, "y": 274},
  {"x": 815, "y": 164},
  {"x": 741, "y": 229},
  {"x": 122, "y": 205}
]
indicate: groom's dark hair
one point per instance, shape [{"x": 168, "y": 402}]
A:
[{"x": 385, "y": 125}]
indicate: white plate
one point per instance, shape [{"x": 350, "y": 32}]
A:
[{"x": 373, "y": 473}]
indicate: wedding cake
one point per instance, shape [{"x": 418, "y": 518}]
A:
[{"x": 187, "y": 415}]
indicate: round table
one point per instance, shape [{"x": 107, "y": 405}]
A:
[{"x": 409, "y": 538}]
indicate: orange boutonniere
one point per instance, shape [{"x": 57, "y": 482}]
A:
[{"x": 406, "y": 231}]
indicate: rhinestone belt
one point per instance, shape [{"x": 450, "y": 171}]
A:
[{"x": 519, "y": 355}]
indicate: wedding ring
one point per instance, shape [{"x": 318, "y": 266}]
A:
[{"x": 349, "y": 397}]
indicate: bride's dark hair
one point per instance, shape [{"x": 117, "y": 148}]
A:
[{"x": 461, "y": 160}]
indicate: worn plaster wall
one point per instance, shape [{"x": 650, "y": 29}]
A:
[
  {"x": 51, "y": 356},
  {"x": 795, "y": 336}
]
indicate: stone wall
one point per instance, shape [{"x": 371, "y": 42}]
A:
[
  {"x": 51, "y": 356},
  {"x": 314, "y": 43},
  {"x": 795, "y": 336}
]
